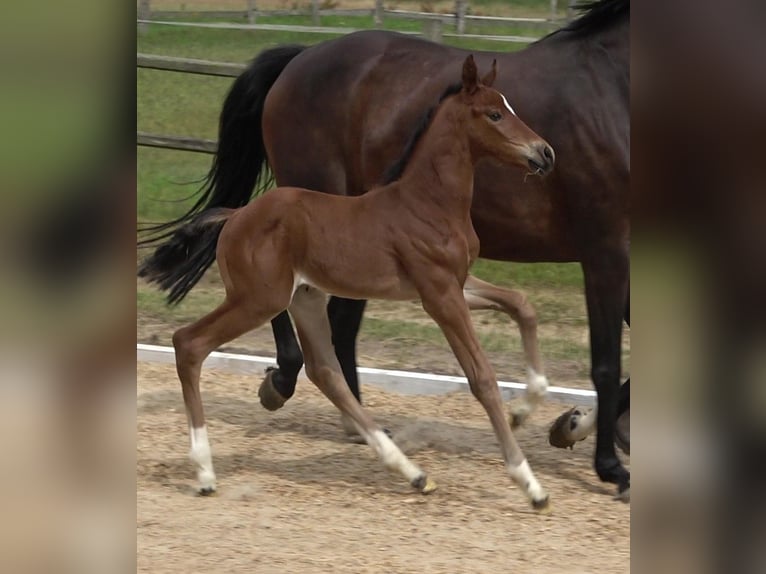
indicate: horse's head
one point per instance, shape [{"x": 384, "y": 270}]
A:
[{"x": 494, "y": 128}]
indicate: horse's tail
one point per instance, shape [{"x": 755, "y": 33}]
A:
[
  {"x": 239, "y": 170},
  {"x": 178, "y": 264}
]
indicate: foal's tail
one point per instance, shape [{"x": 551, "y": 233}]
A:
[
  {"x": 239, "y": 170},
  {"x": 178, "y": 264}
]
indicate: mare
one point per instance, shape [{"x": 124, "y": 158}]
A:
[
  {"x": 335, "y": 116},
  {"x": 412, "y": 238}
]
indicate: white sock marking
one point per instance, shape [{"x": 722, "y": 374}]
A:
[
  {"x": 523, "y": 476},
  {"x": 537, "y": 385},
  {"x": 391, "y": 456},
  {"x": 201, "y": 455},
  {"x": 507, "y": 105}
]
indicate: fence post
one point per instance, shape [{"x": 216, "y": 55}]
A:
[
  {"x": 432, "y": 29},
  {"x": 554, "y": 9},
  {"x": 144, "y": 13},
  {"x": 460, "y": 8},
  {"x": 251, "y": 11},
  {"x": 378, "y": 13},
  {"x": 315, "y": 12}
]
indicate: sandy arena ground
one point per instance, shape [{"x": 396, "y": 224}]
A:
[{"x": 295, "y": 496}]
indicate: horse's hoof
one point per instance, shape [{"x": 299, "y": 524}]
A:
[
  {"x": 622, "y": 433},
  {"x": 558, "y": 434},
  {"x": 424, "y": 484},
  {"x": 623, "y": 494},
  {"x": 429, "y": 487},
  {"x": 270, "y": 397},
  {"x": 206, "y": 491},
  {"x": 543, "y": 505}
]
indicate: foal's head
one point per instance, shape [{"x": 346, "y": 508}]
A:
[{"x": 494, "y": 128}]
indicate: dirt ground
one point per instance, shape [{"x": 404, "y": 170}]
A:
[{"x": 296, "y": 496}]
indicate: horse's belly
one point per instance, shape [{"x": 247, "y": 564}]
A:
[{"x": 359, "y": 284}]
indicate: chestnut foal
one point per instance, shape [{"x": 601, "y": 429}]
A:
[{"x": 410, "y": 239}]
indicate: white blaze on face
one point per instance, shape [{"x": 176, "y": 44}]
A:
[{"x": 507, "y": 105}]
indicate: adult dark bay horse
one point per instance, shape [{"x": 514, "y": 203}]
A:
[
  {"x": 412, "y": 238},
  {"x": 335, "y": 116}
]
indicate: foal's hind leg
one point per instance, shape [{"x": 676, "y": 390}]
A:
[
  {"x": 308, "y": 309},
  {"x": 192, "y": 345},
  {"x": 443, "y": 300},
  {"x": 482, "y": 295}
]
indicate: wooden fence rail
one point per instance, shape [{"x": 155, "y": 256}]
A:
[
  {"x": 176, "y": 142},
  {"x": 427, "y": 30},
  {"x": 189, "y": 65},
  {"x": 447, "y": 18}
]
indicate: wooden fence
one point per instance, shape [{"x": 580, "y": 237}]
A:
[
  {"x": 433, "y": 25},
  {"x": 460, "y": 17}
]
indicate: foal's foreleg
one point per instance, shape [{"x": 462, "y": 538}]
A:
[
  {"x": 192, "y": 345},
  {"x": 445, "y": 303},
  {"x": 482, "y": 295},
  {"x": 308, "y": 310}
]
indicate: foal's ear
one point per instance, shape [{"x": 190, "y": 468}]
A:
[
  {"x": 489, "y": 79},
  {"x": 470, "y": 75}
]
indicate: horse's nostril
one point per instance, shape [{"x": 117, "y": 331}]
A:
[{"x": 548, "y": 153}]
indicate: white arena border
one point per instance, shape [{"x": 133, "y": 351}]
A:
[{"x": 401, "y": 382}]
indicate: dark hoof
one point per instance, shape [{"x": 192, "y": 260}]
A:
[
  {"x": 270, "y": 397},
  {"x": 206, "y": 491},
  {"x": 557, "y": 434},
  {"x": 622, "y": 433}
]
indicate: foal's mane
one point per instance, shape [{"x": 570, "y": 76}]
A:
[
  {"x": 595, "y": 16},
  {"x": 397, "y": 169}
]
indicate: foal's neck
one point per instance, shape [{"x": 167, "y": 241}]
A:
[{"x": 441, "y": 168}]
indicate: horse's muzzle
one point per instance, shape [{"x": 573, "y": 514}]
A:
[{"x": 542, "y": 159}]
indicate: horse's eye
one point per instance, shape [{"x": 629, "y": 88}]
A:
[{"x": 494, "y": 116}]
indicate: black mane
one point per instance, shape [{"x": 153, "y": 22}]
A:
[
  {"x": 397, "y": 169},
  {"x": 595, "y": 16}
]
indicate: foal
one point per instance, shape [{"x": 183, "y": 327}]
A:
[{"x": 410, "y": 239}]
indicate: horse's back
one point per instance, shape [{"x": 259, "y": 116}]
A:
[{"x": 336, "y": 98}]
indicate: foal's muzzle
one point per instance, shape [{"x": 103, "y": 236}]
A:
[{"x": 541, "y": 159}]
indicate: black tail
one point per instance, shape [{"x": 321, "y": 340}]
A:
[
  {"x": 239, "y": 170},
  {"x": 178, "y": 264}
]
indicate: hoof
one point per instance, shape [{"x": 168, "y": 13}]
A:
[
  {"x": 424, "y": 484},
  {"x": 543, "y": 505},
  {"x": 429, "y": 487},
  {"x": 623, "y": 496},
  {"x": 270, "y": 397},
  {"x": 558, "y": 434},
  {"x": 206, "y": 491}
]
